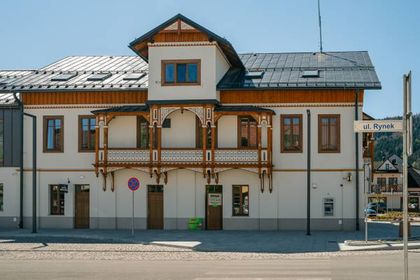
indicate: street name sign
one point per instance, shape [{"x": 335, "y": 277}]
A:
[{"x": 378, "y": 126}]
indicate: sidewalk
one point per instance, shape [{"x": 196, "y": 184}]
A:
[{"x": 216, "y": 241}]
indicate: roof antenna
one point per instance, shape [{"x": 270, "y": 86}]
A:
[{"x": 320, "y": 26}]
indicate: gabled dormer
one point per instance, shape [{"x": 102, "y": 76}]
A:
[{"x": 186, "y": 61}]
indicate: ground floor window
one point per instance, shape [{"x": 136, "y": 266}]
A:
[
  {"x": 1, "y": 196},
  {"x": 240, "y": 200},
  {"x": 328, "y": 207},
  {"x": 56, "y": 200}
]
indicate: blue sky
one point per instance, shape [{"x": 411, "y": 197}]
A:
[{"x": 36, "y": 33}]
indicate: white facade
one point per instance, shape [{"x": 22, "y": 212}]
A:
[{"x": 333, "y": 175}]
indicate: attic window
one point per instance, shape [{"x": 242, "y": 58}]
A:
[
  {"x": 63, "y": 77},
  {"x": 254, "y": 74},
  {"x": 134, "y": 76},
  {"x": 310, "y": 74},
  {"x": 99, "y": 77}
]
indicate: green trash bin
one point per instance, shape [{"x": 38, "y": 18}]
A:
[{"x": 195, "y": 223}]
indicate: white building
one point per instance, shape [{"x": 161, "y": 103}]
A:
[{"x": 105, "y": 119}]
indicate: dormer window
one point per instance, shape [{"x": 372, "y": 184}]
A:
[{"x": 181, "y": 72}]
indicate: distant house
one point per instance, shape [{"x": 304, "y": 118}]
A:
[{"x": 387, "y": 184}]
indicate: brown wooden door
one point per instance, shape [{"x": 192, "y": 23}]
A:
[
  {"x": 81, "y": 207},
  {"x": 155, "y": 207},
  {"x": 214, "y": 207}
]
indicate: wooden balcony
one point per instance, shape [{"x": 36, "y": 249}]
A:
[
  {"x": 178, "y": 157},
  {"x": 386, "y": 189}
]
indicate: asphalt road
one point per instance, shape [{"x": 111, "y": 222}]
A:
[{"x": 382, "y": 266}]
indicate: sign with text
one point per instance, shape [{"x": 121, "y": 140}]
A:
[
  {"x": 214, "y": 199},
  {"x": 378, "y": 126}
]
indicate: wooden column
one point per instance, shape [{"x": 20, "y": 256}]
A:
[
  {"x": 203, "y": 145},
  {"x": 213, "y": 144},
  {"x": 159, "y": 143},
  {"x": 105, "y": 146},
  {"x": 270, "y": 143},
  {"x": 151, "y": 148},
  {"x": 259, "y": 145},
  {"x": 97, "y": 146}
]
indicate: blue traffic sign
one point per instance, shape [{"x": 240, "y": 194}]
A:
[{"x": 133, "y": 183}]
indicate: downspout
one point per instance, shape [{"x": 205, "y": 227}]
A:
[
  {"x": 308, "y": 176},
  {"x": 356, "y": 134},
  {"x": 20, "y": 160},
  {"x": 34, "y": 169}
]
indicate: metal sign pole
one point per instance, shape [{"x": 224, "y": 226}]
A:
[
  {"x": 406, "y": 151},
  {"x": 132, "y": 217}
]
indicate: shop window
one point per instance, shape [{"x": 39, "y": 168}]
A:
[
  {"x": 240, "y": 200},
  {"x": 57, "y": 199}
]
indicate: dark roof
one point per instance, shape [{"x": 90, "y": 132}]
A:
[
  {"x": 82, "y": 67},
  {"x": 224, "y": 44},
  {"x": 351, "y": 69},
  {"x": 413, "y": 177},
  {"x": 242, "y": 109},
  {"x": 367, "y": 116},
  {"x": 124, "y": 109}
]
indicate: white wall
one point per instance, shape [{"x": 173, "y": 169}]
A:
[
  {"x": 227, "y": 132},
  {"x": 181, "y": 134},
  {"x": 213, "y": 67}
]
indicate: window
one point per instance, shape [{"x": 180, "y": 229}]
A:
[
  {"x": 1, "y": 197},
  {"x": 387, "y": 166},
  {"x": 87, "y": 133},
  {"x": 63, "y": 77},
  {"x": 392, "y": 181},
  {"x": 240, "y": 200},
  {"x": 310, "y": 74},
  {"x": 99, "y": 77},
  {"x": 329, "y": 207},
  {"x": 291, "y": 133},
  {"x": 329, "y": 133},
  {"x": 181, "y": 72},
  {"x": 381, "y": 181},
  {"x": 53, "y": 134},
  {"x": 254, "y": 74},
  {"x": 199, "y": 135},
  {"x": 247, "y": 130},
  {"x": 142, "y": 133},
  {"x": 1, "y": 141},
  {"x": 56, "y": 200}
]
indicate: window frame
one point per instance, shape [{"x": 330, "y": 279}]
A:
[
  {"x": 199, "y": 138},
  {"x": 80, "y": 127},
  {"x": 239, "y": 135},
  {"x": 241, "y": 202},
  {"x": 282, "y": 129},
  {"x": 338, "y": 135},
  {"x": 58, "y": 197},
  {"x": 45, "y": 136},
  {"x": 138, "y": 136},
  {"x": 176, "y": 62}
]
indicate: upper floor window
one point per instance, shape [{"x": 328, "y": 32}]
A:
[
  {"x": 142, "y": 133},
  {"x": 247, "y": 130},
  {"x": 53, "y": 134},
  {"x": 329, "y": 133},
  {"x": 393, "y": 181},
  {"x": 1, "y": 141},
  {"x": 87, "y": 133},
  {"x": 181, "y": 72},
  {"x": 291, "y": 133}
]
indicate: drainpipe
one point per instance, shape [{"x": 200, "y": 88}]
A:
[
  {"x": 356, "y": 117},
  {"x": 308, "y": 170},
  {"x": 34, "y": 167},
  {"x": 21, "y": 160}
]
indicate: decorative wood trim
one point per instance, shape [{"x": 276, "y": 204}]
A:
[
  {"x": 180, "y": 61},
  {"x": 45, "y": 131},
  {"x": 282, "y": 118},
  {"x": 264, "y": 96},
  {"x": 84, "y": 97},
  {"x": 338, "y": 136}
]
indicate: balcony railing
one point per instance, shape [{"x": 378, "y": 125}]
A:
[
  {"x": 177, "y": 156},
  {"x": 386, "y": 188}
]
